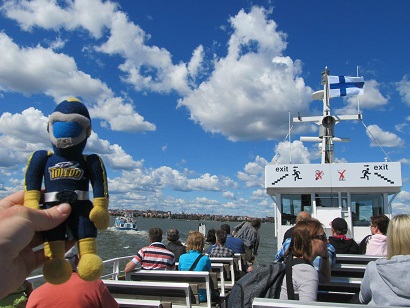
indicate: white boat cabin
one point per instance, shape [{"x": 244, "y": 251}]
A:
[{"x": 353, "y": 191}]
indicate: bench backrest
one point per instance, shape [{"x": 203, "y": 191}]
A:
[
  {"x": 240, "y": 259},
  {"x": 196, "y": 279},
  {"x": 349, "y": 270},
  {"x": 166, "y": 292},
  {"x": 218, "y": 270},
  {"x": 339, "y": 289},
  {"x": 231, "y": 268},
  {"x": 355, "y": 259},
  {"x": 269, "y": 302},
  {"x": 140, "y": 303}
]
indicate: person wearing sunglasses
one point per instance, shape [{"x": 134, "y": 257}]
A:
[
  {"x": 280, "y": 255},
  {"x": 375, "y": 244},
  {"x": 308, "y": 242}
]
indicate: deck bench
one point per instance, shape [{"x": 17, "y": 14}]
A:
[
  {"x": 349, "y": 270},
  {"x": 270, "y": 302},
  {"x": 339, "y": 289},
  {"x": 355, "y": 259},
  {"x": 196, "y": 280},
  {"x": 219, "y": 269},
  {"x": 169, "y": 294},
  {"x": 240, "y": 260},
  {"x": 347, "y": 274},
  {"x": 139, "y": 303},
  {"x": 230, "y": 268},
  {"x": 341, "y": 284}
]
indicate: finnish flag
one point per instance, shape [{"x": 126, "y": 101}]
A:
[{"x": 344, "y": 85}]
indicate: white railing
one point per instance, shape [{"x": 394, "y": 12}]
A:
[
  {"x": 114, "y": 274},
  {"x": 116, "y": 271}
]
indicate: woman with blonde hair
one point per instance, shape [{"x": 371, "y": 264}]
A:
[
  {"x": 386, "y": 281},
  {"x": 193, "y": 259}
]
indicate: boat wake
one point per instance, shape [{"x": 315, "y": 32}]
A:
[{"x": 131, "y": 232}]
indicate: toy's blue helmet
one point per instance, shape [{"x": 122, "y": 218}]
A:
[{"x": 70, "y": 124}]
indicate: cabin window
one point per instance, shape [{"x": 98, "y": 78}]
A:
[
  {"x": 292, "y": 205},
  {"x": 364, "y": 206},
  {"x": 343, "y": 199},
  {"x": 327, "y": 200}
]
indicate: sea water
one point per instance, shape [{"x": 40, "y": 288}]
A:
[{"x": 114, "y": 243}]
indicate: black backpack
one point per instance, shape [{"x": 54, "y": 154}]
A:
[{"x": 264, "y": 281}]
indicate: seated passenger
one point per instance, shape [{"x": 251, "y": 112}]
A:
[
  {"x": 234, "y": 243},
  {"x": 76, "y": 292},
  {"x": 152, "y": 257},
  {"x": 280, "y": 255},
  {"x": 301, "y": 216},
  {"x": 194, "y": 260},
  {"x": 174, "y": 244},
  {"x": 386, "y": 281},
  {"x": 308, "y": 242},
  {"x": 339, "y": 241},
  {"x": 220, "y": 250},
  {"x": 375, "y": 244},
  {"x": 210, "y": 240}
]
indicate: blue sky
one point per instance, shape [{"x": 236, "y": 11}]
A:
[{"x": 190, "y": 100}]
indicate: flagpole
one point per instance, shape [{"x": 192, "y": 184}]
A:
[
  {"x": 326, "y": 110},
  {"x": 333, "y": 86}
]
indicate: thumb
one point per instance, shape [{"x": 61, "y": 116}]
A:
[{"x": 47, "y": 219}]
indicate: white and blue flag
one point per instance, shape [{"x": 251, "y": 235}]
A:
[{"x": 344, "y": 85}]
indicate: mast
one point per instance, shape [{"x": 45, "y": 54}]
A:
[
  {"x": 327, "y": 127},
  {"x": 326, "y": 122}
]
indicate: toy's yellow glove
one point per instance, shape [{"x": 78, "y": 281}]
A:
[
  {"x": 99, "y": 214},
  {"x": 91, "y": 266},
  {"x": 32, "y": 199}
]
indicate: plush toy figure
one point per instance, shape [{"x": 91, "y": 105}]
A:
[{"x": 67, "y": 174}]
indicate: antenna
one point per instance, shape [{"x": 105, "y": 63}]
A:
[
  {"x": 290, "y": 143},
  {"x": 358, "y": 99}
]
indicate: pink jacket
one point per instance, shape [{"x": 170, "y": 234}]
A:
[{"x": 376, "y": 246}]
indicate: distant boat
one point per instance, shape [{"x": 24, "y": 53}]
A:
[{"x": 125, "y": 223}]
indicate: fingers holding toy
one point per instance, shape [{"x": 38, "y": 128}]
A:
[
  {"x": 13, "y": 199},
  {"x": 18, "y": 227}
]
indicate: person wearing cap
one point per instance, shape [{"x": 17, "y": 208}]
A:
[
  {"x": 76, "y": 292},
  {"x": 339, "y": 241},
  {"x": 174, "y": 244}
]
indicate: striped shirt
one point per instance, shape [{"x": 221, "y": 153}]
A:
[{"x": 154, "y": 256}]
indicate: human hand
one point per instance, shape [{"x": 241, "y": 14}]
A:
[{"x": 18, "y": 237}]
